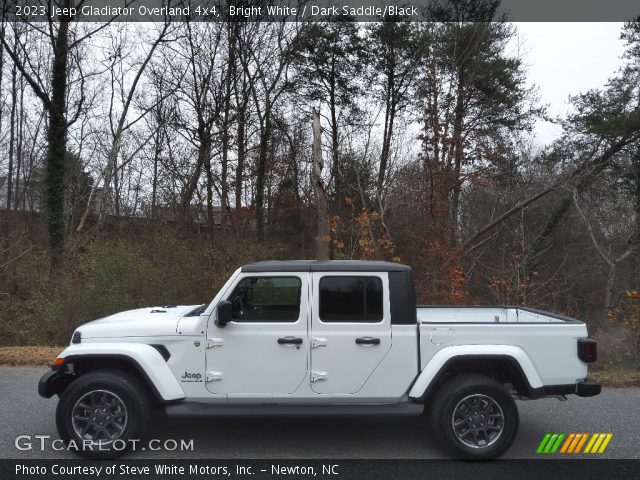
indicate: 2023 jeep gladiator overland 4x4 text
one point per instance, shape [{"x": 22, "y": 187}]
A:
[{"x": 317, "y": 338}]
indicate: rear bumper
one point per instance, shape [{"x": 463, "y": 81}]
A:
[
  {"x": 583, "y": 388},
  {"x": 51, "y": 383},
  {"x": 588, "y": 388}
]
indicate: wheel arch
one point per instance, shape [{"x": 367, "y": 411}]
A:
[
  {"x": 507, "y": 366},
  {"x": 143, "y": 361}
]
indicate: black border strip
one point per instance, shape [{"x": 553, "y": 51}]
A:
[{"x": 546, "y": 467}]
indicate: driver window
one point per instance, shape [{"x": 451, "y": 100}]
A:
[{"x": 266, "y": 299}]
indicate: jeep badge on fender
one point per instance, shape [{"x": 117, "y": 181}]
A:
[{"x": 191, "y": 377}]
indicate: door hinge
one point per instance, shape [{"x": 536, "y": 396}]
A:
[
  {"x": 214, "y": 342},
  {"x": 214, "y": 376},
  {"x": 318, "y": 342},
  {"x": 318, "y": 376}
]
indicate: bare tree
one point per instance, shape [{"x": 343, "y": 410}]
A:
[
  {"x": 393, "y": 48},
  {"x": 611, "y": 261},
  {"x": 12, "y": 124},
  {"x": 265, "y": 56},
  {"x": 121, "y": 126},
  {"x": 242, "y": 87}
]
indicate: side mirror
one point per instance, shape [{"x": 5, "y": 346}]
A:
[{"x": 223, "y": 313}]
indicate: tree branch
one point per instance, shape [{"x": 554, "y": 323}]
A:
[
  {"x": 587, "y": 223},
  {"x": 30, "y": 80}
]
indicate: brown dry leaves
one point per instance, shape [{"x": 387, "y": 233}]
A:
[{"x": 29, "y": 355}]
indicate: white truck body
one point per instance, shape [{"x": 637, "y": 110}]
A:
[{"x": 195, "y": 364}]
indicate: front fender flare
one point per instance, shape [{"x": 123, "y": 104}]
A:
[
  {"x": 439, "y": 361},
  {"x": 148, "y": 360}
]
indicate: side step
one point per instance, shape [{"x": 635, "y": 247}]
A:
[{"x": 201, "y": 409}]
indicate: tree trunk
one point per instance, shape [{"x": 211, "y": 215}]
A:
[
  {"x": 335, "y": 154},
  {"x": 389, "y": 116},
  {"x": 242, "y": 98},
  {"x": 110, "y": 173},
  {"x": 156, "y": 160},
  {"x": 241, "y": 156},
  {"x": 608, "y": 291},
  {"x": 2, "y": 27},
  {"x": 293, "y": 153},
  {"x": 4, "y": 221},
  {"x": 19, "y": 151},
  {"x": 116, "y": 186},
  {"x": 262, "y": 170},
  {"x": 187, "y": 196},
  {"x": 209, "y": 173},
  {"x": 12, "y": 136},
  {"x": 54, "y": 176},
  {"x": 224, "y": 189},
  {"x": 323, "y": 234},
  {"x": 458, "y": 152}
]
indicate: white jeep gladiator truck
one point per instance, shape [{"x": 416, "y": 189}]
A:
[{"x": 317, "y": 338}]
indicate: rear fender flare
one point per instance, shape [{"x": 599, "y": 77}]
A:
[{"x": 439, "y": 362}]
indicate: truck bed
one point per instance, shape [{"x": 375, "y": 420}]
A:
[{"x": 535, "y": 332}]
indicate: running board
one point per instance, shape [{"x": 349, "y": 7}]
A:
[{"x": 200, "y": 409}]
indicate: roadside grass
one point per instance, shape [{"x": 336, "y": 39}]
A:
[
  {"x": 610, "y": 375},
  {"x": 29, "y": 355}
]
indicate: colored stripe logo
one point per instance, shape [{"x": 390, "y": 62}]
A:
[{"x": 574, "y": 443}]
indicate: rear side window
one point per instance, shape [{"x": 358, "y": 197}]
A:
[
  {"x": 266, "y": 299},
  {"x": 351, "y": 299}
]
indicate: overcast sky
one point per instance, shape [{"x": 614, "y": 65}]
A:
[{"x": 565, "y": 59}]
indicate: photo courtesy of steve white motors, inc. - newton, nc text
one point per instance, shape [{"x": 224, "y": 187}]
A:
[{"x": 333, "y": 239}]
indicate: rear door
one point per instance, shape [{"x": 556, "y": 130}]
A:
[{"x": 350, "y": 329}]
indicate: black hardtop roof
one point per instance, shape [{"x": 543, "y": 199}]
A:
[{"x": 324, "y": 266}]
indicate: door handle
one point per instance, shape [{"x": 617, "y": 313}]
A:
[
  {"x": 367, "y": 341},
  {"x": 290, "y": 341}
]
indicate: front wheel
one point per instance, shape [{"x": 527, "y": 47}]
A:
[
  {"x": 102, "y": 413},
  {"x": 475, "y": 416}
]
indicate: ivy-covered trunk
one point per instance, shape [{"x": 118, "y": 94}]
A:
[{"x": 54, "y": 184}]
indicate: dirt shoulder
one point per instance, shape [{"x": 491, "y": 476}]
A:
[
  {"x": 29, "y": 355},
  {"x": 617, "y": 377}
]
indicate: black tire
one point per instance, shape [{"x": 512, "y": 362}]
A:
[
  {"x": 126, "y": 413},
  {"x": 490, "y": 423}
]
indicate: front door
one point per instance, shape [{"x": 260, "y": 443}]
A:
[
  {"x": 264, "y": 350},
  {"x": 350, "y": 329}
]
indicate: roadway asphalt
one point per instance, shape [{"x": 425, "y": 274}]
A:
[{"x": 23, "y": 412}]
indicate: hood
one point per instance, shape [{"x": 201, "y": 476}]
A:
[{"x": 141, "y": 322}]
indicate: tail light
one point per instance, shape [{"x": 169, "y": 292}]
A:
[{"x": 587, "y": 350}]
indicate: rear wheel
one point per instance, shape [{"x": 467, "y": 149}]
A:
[
  {"x": 102, "y": 412},
  {"x": 475, "y": 417}
]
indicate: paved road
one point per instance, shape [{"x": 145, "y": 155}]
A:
[{"x": 22, "y": 411}]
